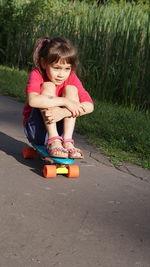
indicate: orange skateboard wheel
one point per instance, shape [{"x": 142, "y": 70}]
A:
[
  {"x": 29, "y": 153},
  {"x": 49, "y": 171},
  {"x": 73, "y": 171}
]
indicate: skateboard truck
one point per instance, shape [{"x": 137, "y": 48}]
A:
[{"x": 60, "y": 165}]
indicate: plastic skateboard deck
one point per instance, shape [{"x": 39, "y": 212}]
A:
[
  {"x": 57, "y": 165},
  {"x": 42, "y": 150}
]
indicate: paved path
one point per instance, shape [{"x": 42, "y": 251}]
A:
[{"x": 100, "y": 219}]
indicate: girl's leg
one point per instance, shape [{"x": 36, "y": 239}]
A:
[
  {"x": 35, "y": 129},
  {"x": 54, "y": 145},
  {"x": 71, "y": 92}
]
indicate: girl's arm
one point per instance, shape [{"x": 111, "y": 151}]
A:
[
  {"x": 56, "y": 114},
  {"x": 36, "y": 100},
  {"x": 88, "y": 108}
]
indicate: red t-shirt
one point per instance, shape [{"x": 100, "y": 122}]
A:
[{"x": 36, "y": 79}]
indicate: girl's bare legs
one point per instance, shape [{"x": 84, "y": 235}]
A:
[
  {"x": 49, "y": 89},
  {"x": 71, "y": 93}
]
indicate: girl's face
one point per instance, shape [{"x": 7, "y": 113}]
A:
[{"x": 58, "y": 72}]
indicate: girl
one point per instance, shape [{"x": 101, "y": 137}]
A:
[{"x": 55, "y": 95}]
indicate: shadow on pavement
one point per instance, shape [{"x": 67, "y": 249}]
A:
[{"x": 14, "y": 147}]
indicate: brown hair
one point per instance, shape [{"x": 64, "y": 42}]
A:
[{"x": 53, "y": 50}]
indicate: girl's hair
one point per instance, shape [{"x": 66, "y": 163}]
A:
[{"x": 53, "y": 50}]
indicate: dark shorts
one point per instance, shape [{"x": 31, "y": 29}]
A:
[{"x": 35, "y": 129}]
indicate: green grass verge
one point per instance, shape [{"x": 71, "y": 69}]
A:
[
  {"x": 121, "y": 133},
  {"x": 13, "y": 82}
]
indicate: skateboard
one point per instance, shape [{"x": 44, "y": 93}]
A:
[{"x": 55, "y": 165}]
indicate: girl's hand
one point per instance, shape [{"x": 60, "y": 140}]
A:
[
  {"x": 55, "y": 114},
  {"x": 75, "y": 108}
]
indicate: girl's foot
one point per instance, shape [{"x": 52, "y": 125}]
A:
[
  {"x": 55, "y": 149},
  {"x": 73, "y": 152}
]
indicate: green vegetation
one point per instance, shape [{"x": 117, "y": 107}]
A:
[
  {"x": 113, "y": 40},
  {"x": 13, "y": 82},
  {"x": 120, "y": 133}
]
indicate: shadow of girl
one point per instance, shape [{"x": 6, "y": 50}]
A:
[{"x": 14, "y": 148}]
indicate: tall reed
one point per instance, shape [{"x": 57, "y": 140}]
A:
[{"x": 113, "y": 40}]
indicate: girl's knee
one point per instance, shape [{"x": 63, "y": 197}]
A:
[
  {"x": 48, "y": 88},
  {"x": 71, "y": 91}
]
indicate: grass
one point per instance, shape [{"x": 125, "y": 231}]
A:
[
  {"x": 13, "y": 82},
  {"x": 119, "y": 132}
]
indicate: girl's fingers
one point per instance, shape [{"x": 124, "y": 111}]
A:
[
  {"x": 82, "y": 107},
  {"x": 48, "y": 114}
]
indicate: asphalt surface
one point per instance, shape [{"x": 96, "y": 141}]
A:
[{"x": 101, "y": 218}]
